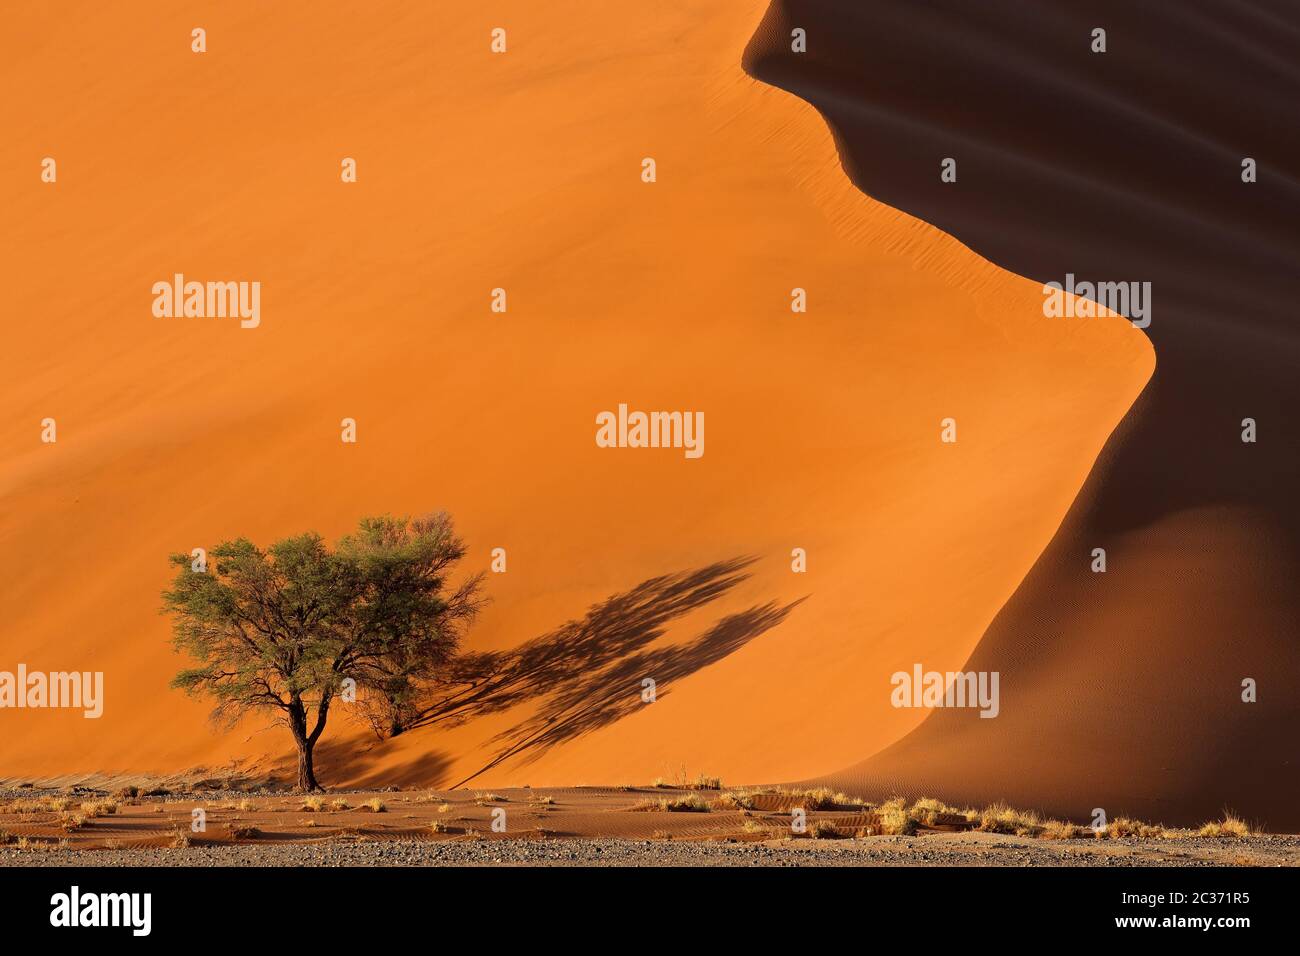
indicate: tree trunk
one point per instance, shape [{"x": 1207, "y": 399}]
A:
[
  {"x": 306, "y": 774},
  {"x": 306, "y": 744}
]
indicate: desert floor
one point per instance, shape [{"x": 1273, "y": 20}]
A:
[{"x": 612, "y": 826}]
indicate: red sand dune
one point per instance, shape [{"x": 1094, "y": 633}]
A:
[
  {"x": 1120, "y": 690},
  {"x": 519, "y": 171}
]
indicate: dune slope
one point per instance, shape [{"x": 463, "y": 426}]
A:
[
  {"x": 1121, "y": 690},
  {"x": 519, "y": 171}
]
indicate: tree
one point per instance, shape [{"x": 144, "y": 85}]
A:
[
  {"x": 290, "y": 628},
  {"x": 404, "y": 567}
]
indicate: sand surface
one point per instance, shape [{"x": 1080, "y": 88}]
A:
[
  {"x": 1123, "y": 688},
  {"x": 519, "y": 171},
  {"x": 590, "y": 826},
  {"x": 976, "y": 850}
]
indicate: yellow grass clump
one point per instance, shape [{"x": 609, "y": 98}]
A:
[
  {"x": 1229, "y": 826},
  {"x": 1000, "y": 818},
  {"x": 822, "y": 830},
  {"x": 932, "y": 812},
  {"x": 735, "y": 800},
  {"x": 99, "y": 808},
  {"x": 820, "y": 798},
  {"x": 1059, "y": 830},
  {"x": 895, "y": 820},
  {"x": 691, "y": 803}
]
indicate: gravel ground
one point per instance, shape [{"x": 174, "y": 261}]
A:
[{"x": 967, "y": 849}]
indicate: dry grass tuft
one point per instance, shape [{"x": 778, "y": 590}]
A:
[
  {"x": 735, "y": 800},
  {"x": 43, "y": 805},
  {"x": 1124, "y": 828},
  {"x": 1060, "y": 830},
  {"x": 373, "y": 805},
  {"x": 894, "y": 818},
  {"x": 99, "y": 808},
  {"x": 691, "y": 803},
  {"x": 822, "y": 830},
  {"x": 819, "y": 798},
  {"x": 933, "y": 813},
  {"x": 1229, "y": 826},
  {"x": 1119, "y": 828},
  {"x": 1000, "y": 818}
]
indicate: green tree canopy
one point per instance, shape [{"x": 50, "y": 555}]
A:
[{"x": 292, "y": 627}]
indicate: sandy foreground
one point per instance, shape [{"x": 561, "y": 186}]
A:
[
  {"x": 584, "y": 826},
  {"x": 968, "y": 849}
]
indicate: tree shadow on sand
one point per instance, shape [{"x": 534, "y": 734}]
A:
[
  {"x": 368, "y": 768},
  {"x": 588, "y": 673}
]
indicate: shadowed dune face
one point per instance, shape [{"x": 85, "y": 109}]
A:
[
  {"x": 519, "y": 171},
  {"x": 1120, "y": 690}
]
